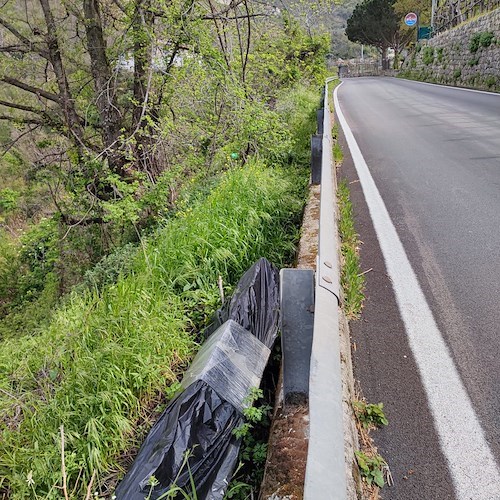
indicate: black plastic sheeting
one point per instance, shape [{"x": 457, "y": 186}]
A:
[
  {"x": 200, "y": 420},
  {"x": 255, "y": 302}
]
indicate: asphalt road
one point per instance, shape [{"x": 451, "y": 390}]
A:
[{"x": 434, "y": 155}]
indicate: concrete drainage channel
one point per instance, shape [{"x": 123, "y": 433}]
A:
[{"x": 317, "y": 381}]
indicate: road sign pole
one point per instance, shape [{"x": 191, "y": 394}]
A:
[
  {"x": 418, "y": 24},
  {"x": 412, "y": 19}
]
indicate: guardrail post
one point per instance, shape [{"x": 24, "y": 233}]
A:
[
  {"x": 316, "y": 158},
  {"x": 297, "y": 322},
  {"x": 320, "y": 118}
]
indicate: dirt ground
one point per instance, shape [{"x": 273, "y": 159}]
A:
[
  {"x": 288, "y": 440},
  {"x": 287, "y": 457}
]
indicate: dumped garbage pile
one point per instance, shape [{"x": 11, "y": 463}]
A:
[{"x": 192, "y": 448}]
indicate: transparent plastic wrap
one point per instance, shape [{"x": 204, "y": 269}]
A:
[
  {"x": 198, "y": 422},
  {"x": 255, "y": 303},
  {"x": 231, "y": 361}
]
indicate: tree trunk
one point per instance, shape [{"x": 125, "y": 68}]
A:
[
  {"x": 143, "y": 20},
  {"x": 143, "y": 114},
  {"x": 385, "y": 60},
  {"x": 66, "y": 99},
  {"x": 101, "y": 72}
]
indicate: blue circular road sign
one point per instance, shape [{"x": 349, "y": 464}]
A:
[{"x": 411, "y": 19}]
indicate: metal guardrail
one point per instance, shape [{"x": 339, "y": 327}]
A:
[
  {"x": 325, "y": 470},
  {"x": 450, "y": 13}
]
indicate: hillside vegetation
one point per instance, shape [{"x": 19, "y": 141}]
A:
[
  {"x": 190, "y": 87},
  {"x": 327, "y": 17},
  {"x": 107, "y": 357},
  {"x": 118, "y": 216}
]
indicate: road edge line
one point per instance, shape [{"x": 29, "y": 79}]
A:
[{"x": 442, "y": 85}]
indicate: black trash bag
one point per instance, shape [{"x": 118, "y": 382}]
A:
[
  {"x": 197, "y": 422},
  {"x": 201, "y": 419},
  {"x": 255, "y": 302}
]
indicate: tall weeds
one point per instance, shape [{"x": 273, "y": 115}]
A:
[
  {"x": 107, "y": 353},
  {"x": 351, "y": 278}
]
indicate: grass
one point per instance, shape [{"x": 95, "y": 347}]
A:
[
  {"x": 338, "y": 155},
  {"x": 352, "y": 280},
  {"x": 373, "y": 468},
  {"x": 107, "y": 355},
  {"x": 369, "y": 414}
]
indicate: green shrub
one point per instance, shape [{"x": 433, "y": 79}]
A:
[
  {"x": 253, "y": 451},
  {"x": 428, "y": 55},
  {"x": 110, "y": 268},
  {"x": 297, "y": 108},
  {"x": 371, "y": 468},
  {"x": 457, "y": 73},
  {"x": 8, "y": 270},
  {"x": 490, "y": 81},
  {"x": 8, "y": 200},
  {"x": 14, "y": 159},
  {"x": 440, "y": 54},
  {"x": 475, "y": 43},
  {"x": 38, "y": 254},
  {"x": 30, "y": 285},
  {"x": 481, "y": 39},
  {"x": 5, "y": 132},
  {"x": 370, "y": 415},
  {"x": 486, "y": 39}
]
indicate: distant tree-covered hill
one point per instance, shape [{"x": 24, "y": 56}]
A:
[{"x": 327, "y": 16}]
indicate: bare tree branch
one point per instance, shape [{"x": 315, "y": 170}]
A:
[
  {"x": 240, "y": 43},
  {"x": 120, "y": 6},
  {"x": 7, "y": 147},
  {"x": 30, "y": 45},
  {"x": 66, "y": 101},
  {"x": 26, "y": 121},
  {"x": 15, "y": 49},
  {"x": 22, "y": 107},
  {"x": 249, "y": 36},
  {"x": 219, "y": 32},
  {"x": 222, "y": 13},
  {"x": 29, "y": 88},
  {"x": 223, "y": 17},
  {"x": 49, "y": 119}
]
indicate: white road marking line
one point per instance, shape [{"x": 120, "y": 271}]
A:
[
  {"x": 473, "y": 468},
  {"x": 451, "y": 87}
]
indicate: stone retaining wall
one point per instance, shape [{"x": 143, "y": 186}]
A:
[{"x": 450, "y": 57}]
